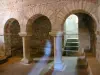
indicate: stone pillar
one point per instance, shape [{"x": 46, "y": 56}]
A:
[
  {"x": 58, "y": 64},
  {"x": 26, "y": 50},
  {"x": 7, "y": 46}
]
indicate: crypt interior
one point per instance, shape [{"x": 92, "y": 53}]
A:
[{"x": 49, "y": 37}]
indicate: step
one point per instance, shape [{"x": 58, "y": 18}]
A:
[
  {"x": 72, "y": 40},
  {"x": 71, "y": 48},
  {"x": 70, "y": 53},
  {"x": 72, "y": 44}
]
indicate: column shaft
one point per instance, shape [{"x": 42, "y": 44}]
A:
[
  {"x": 58, "y": 64},
  {"x": 26, "y": 50}
]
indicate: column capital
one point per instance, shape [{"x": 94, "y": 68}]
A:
[
  {"x": 56, "y": 33},
  {"x": 23, "y": 34},
  {"x": 7, "y": 33}
]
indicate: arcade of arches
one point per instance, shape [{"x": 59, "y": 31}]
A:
[{"x": 26, "y": 26}]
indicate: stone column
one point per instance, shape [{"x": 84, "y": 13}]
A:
[
  {"x": 7, "y": 46},
  {"x": 58, "y": 63},
  {"x": 26, "y": 49}
]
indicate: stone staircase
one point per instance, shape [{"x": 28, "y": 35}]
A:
[{"x": 71, "y": 46}]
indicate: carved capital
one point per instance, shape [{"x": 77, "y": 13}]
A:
[
  {"x": 56, "y": 33},
  {"x": 25, "y": 34}
]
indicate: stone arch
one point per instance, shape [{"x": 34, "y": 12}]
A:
[
  {"x": 30, "y": 21},
  {"x": 85, "y": 6},
  {"x": 36, "y": 11},
  {"x": 63, "y": 18},
  {"x": 38, "y": 27},
  {"x": 12, "y": 40}
]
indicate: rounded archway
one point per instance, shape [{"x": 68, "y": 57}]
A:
[
  {"x": 39, "y": 26},
  {"x": 87, "y": 29},
  {"x": 13, "y": 42},
  {"x": 86, "y": 32},
  {"x": 71, "y": 38}
]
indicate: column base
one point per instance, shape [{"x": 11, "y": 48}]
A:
[
  {"x": 26, "y": 61},
  {"x": 59, "y": 66}
]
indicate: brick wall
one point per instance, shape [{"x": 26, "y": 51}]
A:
[
  {"x": 13, "y": 42},
  {"x": 41, "y": 28}
]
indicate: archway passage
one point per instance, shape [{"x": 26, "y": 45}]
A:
[
  {"x": 86, "y": 32},
  {"x": 71, "y": 38},
  {"x": 13, "y": 42},
  {"x": 41, "y": 27},
  {"x": 87, "y": 36}
]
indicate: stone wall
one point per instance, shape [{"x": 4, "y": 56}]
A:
[
  {"x": 13, "y": 42},
  {"x": 56, "y": 10},
  {"x": 84, "y": 37},
  {"x": 87, "y": 27},
  {"x": 84, "y": 32},
  {"x": 40, "y": 28}
]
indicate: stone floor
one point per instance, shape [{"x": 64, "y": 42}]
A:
[
  {"x": 15, "y": 67},
  {"x": 70, "y": 69},
  {"x": 94, "y": 65}
]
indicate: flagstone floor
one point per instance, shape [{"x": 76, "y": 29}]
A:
[{"x": 15, "y": 67}]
